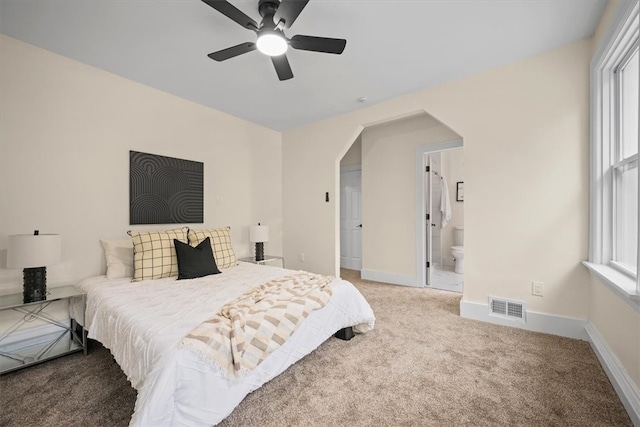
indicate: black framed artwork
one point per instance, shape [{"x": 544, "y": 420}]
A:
[
  {"x": 459, "y": 191},
  {"x": 165, "y": 190}
]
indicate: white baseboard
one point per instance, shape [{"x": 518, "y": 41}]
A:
[
  {"x": 536, "y": 322},
  {"x": 626, "y": 388},
  {"x": 392, "y": 278}
]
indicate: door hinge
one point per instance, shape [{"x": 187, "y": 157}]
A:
[
  {"x": 427, "y": 217},
  {"x": 427, "y": 169},
  {"x": 428, "y": 264}
]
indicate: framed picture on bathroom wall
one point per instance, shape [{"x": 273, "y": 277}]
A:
[{"x": 459, "y": 191}]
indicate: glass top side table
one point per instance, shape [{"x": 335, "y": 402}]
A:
[{"x": 21, "y": 346}]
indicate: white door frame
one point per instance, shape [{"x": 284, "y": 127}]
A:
[
  {"x": 421, "y": 211},
  {"x": 428, "y": 201}
]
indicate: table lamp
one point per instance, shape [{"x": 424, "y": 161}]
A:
[
  {"x": 259, "y": 234},
  {"x": 34, "y": 252}
]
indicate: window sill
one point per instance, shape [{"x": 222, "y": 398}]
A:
[{"x": 621, "y": 284}]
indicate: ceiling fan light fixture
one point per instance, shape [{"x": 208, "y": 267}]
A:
[
  {"x": 277, "y": 16},
  {"x": 271, "y": 43}
]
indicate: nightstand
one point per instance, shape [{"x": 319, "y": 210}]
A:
[
  {"x": 21, "y": 346},
  {"x": 268, "y": 260}
]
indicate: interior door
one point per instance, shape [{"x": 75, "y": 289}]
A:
[
  {"x": 351, "y": 219},
  {"x": 429, "y": 219}
]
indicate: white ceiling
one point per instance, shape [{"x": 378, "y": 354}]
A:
[{"x": 393, "y": 47}]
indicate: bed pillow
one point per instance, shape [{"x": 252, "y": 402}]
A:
[
  {"x": 119, "y": 256},
  {"x": 154, "y": 253},
  {"x": 220, "y": 244},
  {"x": 195, "y": 262}
]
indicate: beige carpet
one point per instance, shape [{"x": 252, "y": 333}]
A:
[{"x": 422, "y": 365}]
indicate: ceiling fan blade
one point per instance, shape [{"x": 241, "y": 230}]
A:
[
  {"x": 233, "y": 51},
  {"x": 233, "y": 13},
  {"x": 318, "y": 44},
  {"x": 288, "y": 11},
  {"x": 281, "y": 63}
]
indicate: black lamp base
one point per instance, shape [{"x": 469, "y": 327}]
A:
[
  {"x": 259, "y": 251},
  {"x": 35, "y": 284}
]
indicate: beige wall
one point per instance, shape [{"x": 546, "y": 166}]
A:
[
  {"x": 354, "y": 155},
  {"x": 619, "y": 324},
  {"x": 389, "y": 202},
  {"x": 605, "y": 23},
  {"x": 65, "y": 135},
  {"x": 525, "y": 130}
]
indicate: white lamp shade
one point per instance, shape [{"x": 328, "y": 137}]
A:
[
  {"x": 29, "y": 250},
  {"x": 258, "y": 233}
]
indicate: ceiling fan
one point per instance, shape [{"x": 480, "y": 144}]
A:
[{"x": 276, "y": 16}]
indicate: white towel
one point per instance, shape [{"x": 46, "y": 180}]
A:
[{"x": 445, "y": 203}]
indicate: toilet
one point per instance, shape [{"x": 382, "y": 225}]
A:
[{"x": 457, "y": 250}]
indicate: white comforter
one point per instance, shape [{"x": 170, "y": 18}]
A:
[{"x": 142, "y": 324}]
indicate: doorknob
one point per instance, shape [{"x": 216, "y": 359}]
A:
[
  {"x": 433, "y": 225},
  {"x": 360, "y": 226}
]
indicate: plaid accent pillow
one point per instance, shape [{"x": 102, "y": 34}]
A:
[
  {"x": 220, "y": 243},
  {"x": 154, "y": 254}
]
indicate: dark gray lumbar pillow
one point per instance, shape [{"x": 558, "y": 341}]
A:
[{"x": 195, "y": 262}]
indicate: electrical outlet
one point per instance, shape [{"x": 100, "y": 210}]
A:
[
  {"x": 219, "y": 200},
  {"x": 537, "y": 288},
  {"x": 301, "y": 257}
]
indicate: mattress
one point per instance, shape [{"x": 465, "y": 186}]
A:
[{"x": 142, "y": 324}]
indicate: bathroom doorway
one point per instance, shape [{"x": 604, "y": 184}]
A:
[{"x": 444, "y": 218}]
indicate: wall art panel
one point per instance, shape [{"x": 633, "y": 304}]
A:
[{"x": 164, "y": 190}]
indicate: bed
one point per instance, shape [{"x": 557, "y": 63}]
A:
[{"x": 143, "y": 323}]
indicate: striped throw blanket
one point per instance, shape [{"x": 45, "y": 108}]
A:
[{"x": 249, "y": 328}]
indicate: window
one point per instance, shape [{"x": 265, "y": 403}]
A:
[
  {"x": 613, "y": 242},
  {"x": 625, "y": 168}
]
